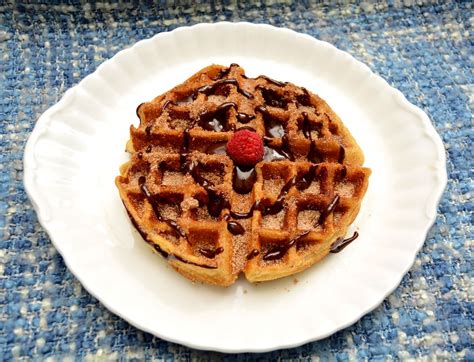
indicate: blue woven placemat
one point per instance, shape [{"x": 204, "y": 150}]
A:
[{"x": 424, "y": 50}]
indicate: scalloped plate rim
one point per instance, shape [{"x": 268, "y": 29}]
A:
[{"x": 33, "y": 195}]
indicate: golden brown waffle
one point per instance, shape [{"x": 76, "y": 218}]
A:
[{"x": 214, "y": 220}]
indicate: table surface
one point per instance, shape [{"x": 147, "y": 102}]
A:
[{"x": 424, "y": 50}]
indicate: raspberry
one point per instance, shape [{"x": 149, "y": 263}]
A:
[{"x": 245, "y": 148}]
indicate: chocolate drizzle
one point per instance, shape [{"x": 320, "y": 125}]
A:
[
  {"x": 211, "y": 253},
  {"x": 273, "y": 152},
  {"x": 169, "y": 256},
  {"x": 304, "y": 181},
  {"x": 313, "y": 154},
  {"x": 272, "y": 81},
  {"x": 185, "y": 145},
  {"x": 341, "y": 243},
  {"x": 163, "y": 253},
  {"x": 210, "y": 88},
  {"x": 342, "y": 154},
  {"x": 253, "y": 254},
  {"x": 243, "y": 179},
  {"x": 274, "y": 129},
  {"x": 279, "y": 251},
  {"x": 172, "y": 224},
  {"x": 138, "y": 109},
  {"x": 328, "y": 210},
  {"x": 244, "y": 117},
  {"x": 271, "y": 209},
  {"x": 235, "y": 228},
  {"x": 245, "y": 215},
  {"x": 216, "y": 202},
  {"x": 216, "y": 120},
  {"x": 278, "y": 205}
]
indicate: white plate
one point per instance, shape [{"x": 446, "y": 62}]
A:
[{"x": 75, "y": 150}]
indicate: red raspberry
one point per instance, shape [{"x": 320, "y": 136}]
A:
[{"x": 245, "y": 148}]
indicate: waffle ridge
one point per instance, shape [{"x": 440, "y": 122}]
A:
[{"x": 181, "y": 189}]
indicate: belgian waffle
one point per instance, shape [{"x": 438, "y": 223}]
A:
[{"x": 213, "y": 220}]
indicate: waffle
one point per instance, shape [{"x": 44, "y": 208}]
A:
[{"x": 213, "y": 220}]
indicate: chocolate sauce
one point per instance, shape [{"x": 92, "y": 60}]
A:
[
  {"x": 144, "y": 235},
  {"x": 274, "y": 129},
  {"x": 273, "y": 81},
  {"x": 193, "y": 170},
  {"x": 308, "y": 127},
  {"x": 138, "y": 109},
  {"x": 285, "y": 148},
  {"x": 252, "y": 254},
  {"x": 342, "y": 154},
  {"x": 216, "y": 203},
  {"x": 163, "y": 253},
  {"x": 185, "y": 145},
  {"x": 341, "y": 175},
  {"x": 244, "y": 117},
  {"x": 177, "y": 257},
  {"x": 243, "y": 179},
  {"x": 313, "y": 154},
  {"x": 245, "y": 215},
  {"x": 304, "y": 181},
  {"x": 279, "y": 251},
  {"x": 169, "y": 256},
  {"x": 148, "y": 149},
  {"x": 216, "y": 120},
  {"x": 235, "y": 228},
  {"x": 173, "y": 224},
  {"x": 273, "y": 152},
  {"x": 211, "y": 253},
  {"x": 329, "y": 209},
  {"x": 245, "y": 127},
  {"x": 148, "y": 130},
  {"x": 278, "y": 205},
  {"x": 210, "y": 88},
  {"x": 271, "y": 209},
  {"x": 217, "y": 149},
  {"x": 341, "y": 243}
]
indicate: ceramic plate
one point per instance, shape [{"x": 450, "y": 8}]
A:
[{"x": 75, "y": 150}]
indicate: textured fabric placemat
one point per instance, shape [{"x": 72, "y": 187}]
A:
[{"x": 424, "y": 50}]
